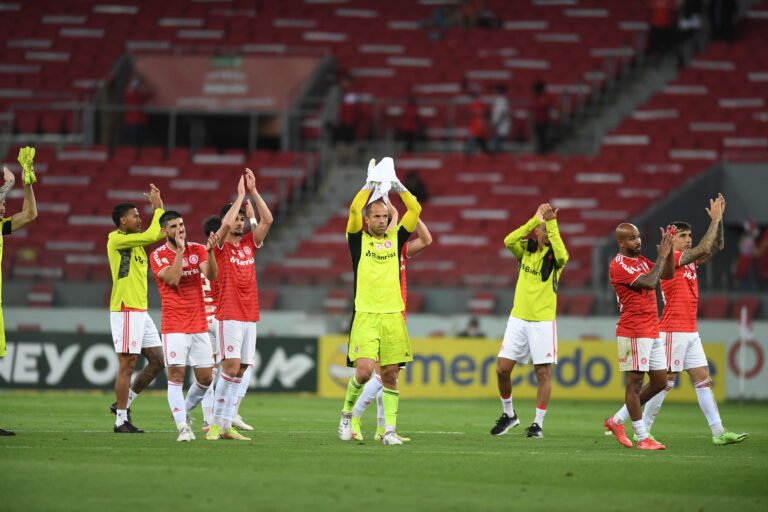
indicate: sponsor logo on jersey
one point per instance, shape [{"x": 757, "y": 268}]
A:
[
  {"x": 247, "y": 251},
  {"x": 388, "y": 244},
  {"x": 193, "y": 259}
]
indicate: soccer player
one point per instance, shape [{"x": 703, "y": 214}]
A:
[
  {"x": 177, "y": 266},
  {"x": 133, "y": 330},
  {"x": 634, "y": 278},
  {"x": 211, "y": 297},
  {"x": 211, "y": 294},
  {"x": 238, "y": 311},
  {"x": 373, "y": 388},
  {"x": 531, "y": 333},
  {"x": 8, "y": 225},
  {"x": 378, "y": 328},
  {"x": 678, "y": 323}
]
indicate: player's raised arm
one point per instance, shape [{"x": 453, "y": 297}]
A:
[
  {"x": 712, "y": 241},
  {"x": 231, "y": 215},
  {"x": 414, "y": 208},
  {"x": 394, "y": 217},
  {"x": 553, "y": 233},
  {"x": 265, "y": 216},
  {"x": 421, "y": 243},
  {"x": 210, "y": 267},
  {"x": 650, "y": 280},
  {"x": 355, "y": 221},
  {"x": 9, "y": 180},
  {"x": 28, "y": 211},
  {"x": 153, "y": 233},
  {"x": 516, "y": 240}
]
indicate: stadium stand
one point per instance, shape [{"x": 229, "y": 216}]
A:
[
  {"x": 714, "y": 110},
  {"x": 81, "y": 186}
]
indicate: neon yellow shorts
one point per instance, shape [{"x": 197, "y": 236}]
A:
[
  {"x": 379, "y": 336},
  {"x": 2, "y": 334}
]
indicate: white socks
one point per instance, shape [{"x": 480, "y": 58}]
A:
[
  {"x": 121, "y": 417},
  {"x": 653, "y": 406},
  {"x": 540, "y": 416},
  {"x": 131, "y": 396},
  {"x": 242, "y": 389},
  {"x": 195, "y": 395},
  {"x": 176, "y": 402},
  {"x": 224, "y": 401},
  {"x": 639, "y": 428},
  {"x": 709, "y": 407},
  {"x": 208, "y": 397},
  {"x": 507, "y": 407},
  {"x": 621, "y": 416},
  {"x": 370, "y": 391}
]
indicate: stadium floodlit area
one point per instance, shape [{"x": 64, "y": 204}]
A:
[{"x": 608, "y": 111}]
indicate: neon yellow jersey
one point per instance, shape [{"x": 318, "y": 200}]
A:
[
  {"x": 536, "y": 300},
  {"x": 5, "y": 229},
  {"x": 376, "y": 265},
  {"x": 128, "y": 262}
]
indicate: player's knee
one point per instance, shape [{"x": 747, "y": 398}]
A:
[
  {"x": 705, "y": 383},
  {"x": 543, "y": 374},
  {"x": 204, "y": 381}
]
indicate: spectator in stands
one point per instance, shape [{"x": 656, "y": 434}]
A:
[
  {"x": 349, "y": 117},
  {"x": 745, "y": 271},
  {"x": 662, "y": 25},
  {"x": 410, "y": 125},
  {"x": 135, "y": 97},
  {"x": 542, "y": 105},
  {"x": 500, "y": 117},
  {"x": 762, "y": 258},
  {"x": 722, "y": 19},
  {"x": 478, "y": 125},
  {"x": 688, "y": 26},
  {"x": 417, "y": 187},
  {"x": 472, "y": 330}
]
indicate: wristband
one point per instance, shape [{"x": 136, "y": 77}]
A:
[{"x": 254, "y": 222}]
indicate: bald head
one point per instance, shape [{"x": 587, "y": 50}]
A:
[
  {"x": 625, "y": 230},
  {"x": 628, "y": 239}
]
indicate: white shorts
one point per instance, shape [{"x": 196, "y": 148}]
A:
[
  {"x": 237, "y": 340},
  {"x": 183, "y": 349},
  {"x": 133, "y": 331},
  {"x": 641, "y": 354},
  {"x": 213, "y": 332},
  {"x": 684, "y": 351},
  {"x": 530, "y": 341}
]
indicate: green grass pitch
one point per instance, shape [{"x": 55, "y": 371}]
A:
[{"x": 65, "y": 458}]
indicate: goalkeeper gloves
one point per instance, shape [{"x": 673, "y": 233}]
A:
[{"x": 26, "y": 157}]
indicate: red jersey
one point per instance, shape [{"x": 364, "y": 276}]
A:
[
  {"x": 681, "y": 299},
  {"x": 210, "y": 296},
  {"x": 183, "y": 309},
  {"x": 403, "y": 282},
  {"x": 639, "y": 313},
  {"x": 238, "y": 295}
]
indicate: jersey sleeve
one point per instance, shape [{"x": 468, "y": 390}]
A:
[
  {"x": 516, "y": 241},
  {"x": 7, "y": 226},
  {"x": 248, "y": 239},
  {"x": 158, "y": 262},
  {"x": 621, "y": 276}
]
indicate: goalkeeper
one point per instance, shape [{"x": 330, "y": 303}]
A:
[
  {"x": 15, "y": 222},
  {"x": 378, "y": 330}
]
